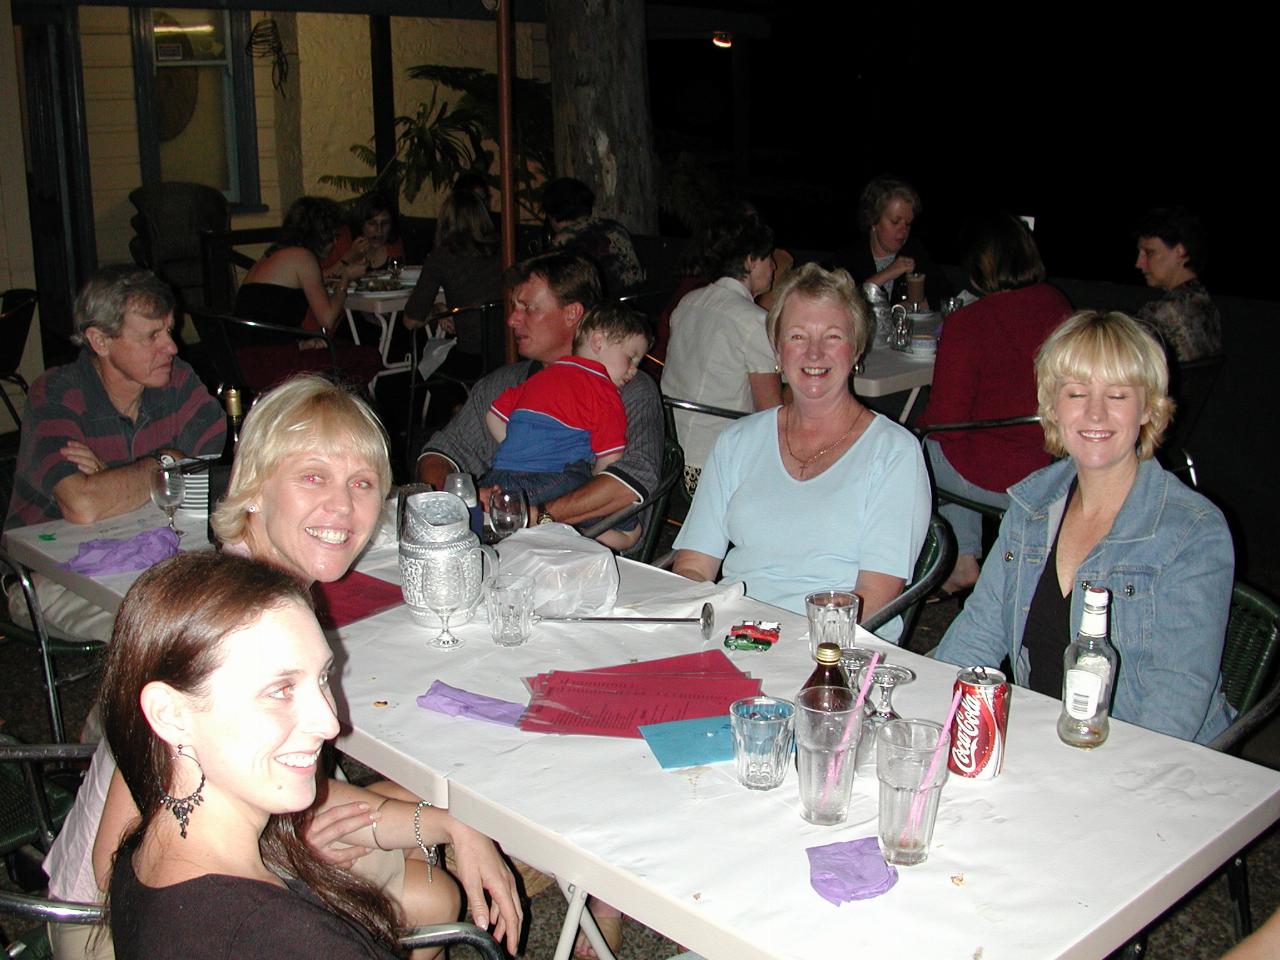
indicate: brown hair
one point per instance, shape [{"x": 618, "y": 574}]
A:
[{"x": 170, "y": 629}]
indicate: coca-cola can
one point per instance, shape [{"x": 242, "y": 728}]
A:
[{"x": 980, "y": 725}]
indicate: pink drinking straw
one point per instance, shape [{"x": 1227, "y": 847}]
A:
[
  {"x": 917, "y": 805},
  {"x": 857, "y": 705}
]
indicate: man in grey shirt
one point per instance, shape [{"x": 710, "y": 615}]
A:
[{"x": 551, "y": 293}]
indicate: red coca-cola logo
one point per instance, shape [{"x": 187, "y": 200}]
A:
[{"x": 973, "y": 735}]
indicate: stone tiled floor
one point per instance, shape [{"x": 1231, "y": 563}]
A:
[{"x": 1198, "y": 927}]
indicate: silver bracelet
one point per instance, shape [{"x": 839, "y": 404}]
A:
[
  {"x": 373, "y": 826},
  {"x": 432, "y": 855}
]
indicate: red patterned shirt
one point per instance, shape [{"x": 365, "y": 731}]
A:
[{"x": 70, "y": 403}]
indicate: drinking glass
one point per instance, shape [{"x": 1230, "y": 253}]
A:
[
  {"x": 832, "y": 616},
  {"x": 166, "y": 492},
  {"x": 763, "y": 733},
  {"x": 508, "y": 511},
  {"x": 827, "y": 730},
  {"x": 911, "y": 779},
  {"x": 879, "y": 708}
]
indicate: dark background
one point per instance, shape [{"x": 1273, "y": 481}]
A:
[{"x": 1081, "y": 123}]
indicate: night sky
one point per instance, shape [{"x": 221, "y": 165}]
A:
[{"x": 1080, "y": 124}]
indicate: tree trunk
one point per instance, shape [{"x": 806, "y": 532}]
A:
[{"x": 600, "y": 105}]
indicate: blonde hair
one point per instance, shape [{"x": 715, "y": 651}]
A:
[
  {"x": 1109, "y": 347},
  {"x": 306, "y": 413},
  {"x": 833, "y": 286}
]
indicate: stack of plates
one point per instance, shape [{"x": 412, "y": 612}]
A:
[{"x": 195, "y": 490}]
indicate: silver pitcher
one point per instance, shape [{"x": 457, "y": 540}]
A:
[{"x": 442, "y": 569}]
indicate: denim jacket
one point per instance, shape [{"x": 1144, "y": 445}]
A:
[{"x": 1168, "y": 562}]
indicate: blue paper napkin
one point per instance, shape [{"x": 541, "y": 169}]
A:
[{"x": 688, "y": 743}]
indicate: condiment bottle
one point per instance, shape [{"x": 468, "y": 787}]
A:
[{"x": 828, "y": 672}]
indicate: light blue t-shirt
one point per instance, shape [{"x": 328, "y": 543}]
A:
[{"x": 790, "y": 538}]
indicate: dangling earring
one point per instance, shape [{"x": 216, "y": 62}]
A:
[{"x": 181, "y": 807}]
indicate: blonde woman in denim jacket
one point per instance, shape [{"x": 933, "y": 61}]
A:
[{"x": 1108, "y": 516}]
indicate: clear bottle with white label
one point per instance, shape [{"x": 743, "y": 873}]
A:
[{"x": 1089, "y": 673}]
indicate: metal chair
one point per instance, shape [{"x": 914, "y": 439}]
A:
[
  {"x": 681, "y": 499},
  {"x": 42, "y": 910},
  {"x": 224, "y": 335},
  {"x": 936, "y": 559},
  {"x": 49, "y": 645},
  {"x": 17, "y": 308},
  {"x": 947, "y": 496},
  {"x": 656, "y": 502}
]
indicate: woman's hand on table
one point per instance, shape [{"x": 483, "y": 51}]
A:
[{"x": 481, "y": 869}]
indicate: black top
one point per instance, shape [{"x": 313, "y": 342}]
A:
[
  {"x": 1048, "y": 625},
  {"x": 217, "y": 917},
  {"x": 858, "y": 260}
]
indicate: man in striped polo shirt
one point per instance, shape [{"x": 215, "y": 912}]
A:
[{"x": 95, "y": 427}]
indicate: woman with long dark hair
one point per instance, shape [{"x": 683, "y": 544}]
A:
[{"x": 216, "y": 703}]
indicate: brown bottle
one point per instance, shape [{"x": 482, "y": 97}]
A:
[{"x": 828, "y": 672}]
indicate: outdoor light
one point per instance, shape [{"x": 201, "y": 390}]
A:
[{"x": 722, "y": 39}]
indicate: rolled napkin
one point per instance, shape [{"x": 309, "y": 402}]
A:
[
  {"x": 683, "y": 600},
  {"x": 852, "y": 870},
  {"x": 100, "y": 558},
  {"x": 460, "y": 703}
]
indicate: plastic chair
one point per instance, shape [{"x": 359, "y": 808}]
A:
[
  {"x": 17, "y": 308},
  {"x": 1248, "y": 662},
  {"x": 937, "y": 557},
  {"x": 49, "y": 645},
  {"x": 224, "y": 335}
]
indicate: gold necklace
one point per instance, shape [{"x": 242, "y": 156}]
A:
[{"x": 805, "y": 463}]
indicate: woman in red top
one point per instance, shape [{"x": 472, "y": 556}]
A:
[{"x": 985, "y": 371}]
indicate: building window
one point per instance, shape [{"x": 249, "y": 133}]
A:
[{"x": 193, "y": 83}]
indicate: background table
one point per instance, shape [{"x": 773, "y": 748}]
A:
[{"x": 887, "y": 371}]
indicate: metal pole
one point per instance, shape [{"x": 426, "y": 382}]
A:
[{"x": 506, "y": 145}]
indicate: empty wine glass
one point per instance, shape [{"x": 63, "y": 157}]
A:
[
  {"x": 508, "y": 511},
  {"x": 879, "y": 708},
  {"x": 167, "y": 489}
]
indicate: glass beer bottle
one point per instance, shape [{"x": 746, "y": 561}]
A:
[{"x": 1089, "y": 672}]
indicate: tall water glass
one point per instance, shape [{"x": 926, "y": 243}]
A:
[
  {"x": 910, "y": 787},
  {"x": 827, "y": 731},
  {"x": 832, "y": 617}
]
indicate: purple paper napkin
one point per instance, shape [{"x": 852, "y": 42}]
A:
[
  {"x": 459, "y": 703},
  {"x": 853, "y": 870},
  {"x": 99, "y": 558}
]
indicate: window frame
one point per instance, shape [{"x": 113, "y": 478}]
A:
[{"x": 242, "y": 92}]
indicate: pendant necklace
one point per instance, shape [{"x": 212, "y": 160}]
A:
[{"x": 806, "y": 463}]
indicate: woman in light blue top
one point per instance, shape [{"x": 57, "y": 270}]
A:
[
  {"x": 820, "y": 493},
  {"x": 1107, "y": 516}
]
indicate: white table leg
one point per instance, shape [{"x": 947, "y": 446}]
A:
[
  {"x": 578, "y": 917},
  {"x": 911, "y": 402}
]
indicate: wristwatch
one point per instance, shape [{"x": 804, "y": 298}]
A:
[
  {"x": 163, "y": 459},
  {"x": 544, "y": 515}
]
